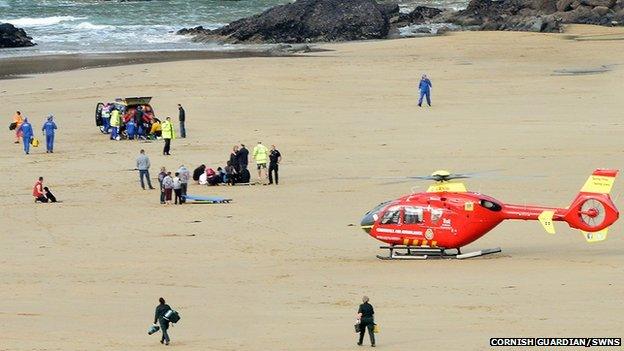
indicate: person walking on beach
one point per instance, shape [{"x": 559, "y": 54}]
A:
[
  {"x": 18, "y": 120},
  {"x": 161, "y": 177},
  {"x": 27, "y": 133},
  {"x": 168, "y": 188},
  {"x": 115, "y": 123},
  {"x": 425, "y": 90},
  {"x": 159, "y": 318},
  {"x": 261, "y": 155},
  {"x": 168, "y": 133},
  {"x": 274, "y": 159},
  {"x": 49, "y": 128},
  {"x": 38, "y": 192},
  {"x": 365, "y": 316},
  {"x": 143, "y": 165},
  {"x": 182, "y": 119}
]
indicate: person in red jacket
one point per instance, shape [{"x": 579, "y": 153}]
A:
[{"x": 38, "y": 191}]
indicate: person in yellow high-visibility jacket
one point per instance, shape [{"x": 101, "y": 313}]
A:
[
  {"x": 168, "y": 133},
  {"x": 115, "y": 123},
  {"x": 261, "y": 155}
]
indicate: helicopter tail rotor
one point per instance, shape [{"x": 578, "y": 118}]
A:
[{"x": 592, "y": 211}]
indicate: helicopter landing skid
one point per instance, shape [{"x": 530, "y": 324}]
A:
[{"x": 422, "y": 253}]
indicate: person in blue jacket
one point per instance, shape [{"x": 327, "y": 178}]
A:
[
  {"x": 27, "y": 135},
  {"x": 425, "y": 90},
  {"x": 49, "y": 127},
  {"x": 131, "y": 129}
]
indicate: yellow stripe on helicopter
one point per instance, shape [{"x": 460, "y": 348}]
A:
[
  {"x": 594, "y": 237},
  {"x": 598, "y": 184},
  {"x": 545, "y": 219},
  {"x": 450, "y": 187}
]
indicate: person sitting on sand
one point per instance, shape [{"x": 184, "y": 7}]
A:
[
  {"x": 212, "y": 177},
  {"x": 156, "y": 130},
  {"x": 230, "y": 174},
  {"x": 198, "y": 172},
  {"x": 38, "y": 192}
]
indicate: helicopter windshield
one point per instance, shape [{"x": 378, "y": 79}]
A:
[
  {"x": 391, "y": 216},
  {"x": 413, "y": 215}
]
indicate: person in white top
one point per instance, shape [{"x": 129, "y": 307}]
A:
[{"x": 177, "y": 188}]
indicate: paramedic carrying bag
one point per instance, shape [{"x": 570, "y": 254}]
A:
[{"x": 172, "y": 316}]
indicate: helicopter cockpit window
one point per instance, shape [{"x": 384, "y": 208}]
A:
[
  {"x": 413, "y": 215},
  {"x": 391, "y": 216},
  {"x": 436, "y": 214},
  {"x": 492, "y": 206}
]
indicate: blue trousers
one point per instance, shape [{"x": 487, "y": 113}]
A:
[
  {"x": 114, "y": 132},
  {"x": 49, "y": 142},
  {"x": 424, "y": 94},
  {"x": 145, "y": 174},
  {"x": 106, "y": 124},
  {"x": 26, "y": 142}
]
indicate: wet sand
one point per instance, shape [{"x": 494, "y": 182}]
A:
[{"x": 283, "y": 268}]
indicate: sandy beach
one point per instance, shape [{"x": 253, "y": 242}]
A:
[{"x": 284, "y": 268}]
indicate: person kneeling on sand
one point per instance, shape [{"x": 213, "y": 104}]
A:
[{"x": 38, "y": 191}]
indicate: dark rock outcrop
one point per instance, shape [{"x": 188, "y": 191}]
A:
[
  {"x": 340, "y": 20},
  {"x": 307, "y": 21},
  {"x": 420, "y": 14},
  {"x": 13, "y": 37}
]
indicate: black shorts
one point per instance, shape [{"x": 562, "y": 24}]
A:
[{"x": 261, "y": 165}]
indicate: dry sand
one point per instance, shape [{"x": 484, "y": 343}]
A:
[{"x": 281, "y": 268}]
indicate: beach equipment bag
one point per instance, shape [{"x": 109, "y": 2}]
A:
[
  {"x": 12, "y": 126},
  {"x": 358, "y": 326},
  {"x": 34, "y": 142},
  {"x": 172, "y": 316},
  {"x": 376, "y": 328},
  {"x": 151, "y": 330}
]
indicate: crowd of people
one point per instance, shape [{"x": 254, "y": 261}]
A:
[
  {"x": 236, "y": 169},
  {"x": 139, "y": 123},
  {"x": 25, "y": 133}
]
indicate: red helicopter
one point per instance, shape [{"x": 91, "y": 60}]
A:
[{"x": 438, "y": 222}]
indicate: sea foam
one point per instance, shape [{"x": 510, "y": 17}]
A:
[{"x": 39, "y": 21}]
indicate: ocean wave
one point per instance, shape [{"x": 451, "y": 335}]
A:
[
  {"x": 39, "y": 21},
  {"x": 91, "y": 26}
]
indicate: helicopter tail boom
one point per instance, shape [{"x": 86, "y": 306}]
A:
[{"x": 592, "y": 210}]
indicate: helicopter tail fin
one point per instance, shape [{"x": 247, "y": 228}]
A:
[{"x": 592, "y": 211}]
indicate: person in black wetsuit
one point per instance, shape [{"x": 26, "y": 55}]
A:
[
  {"x": 159, "y": 317},
  {"x": 365, "y": 316}
]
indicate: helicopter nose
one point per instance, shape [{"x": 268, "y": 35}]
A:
[
  {"x": 371, "y": 217},
  {"x": 367, "y": 221}
]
